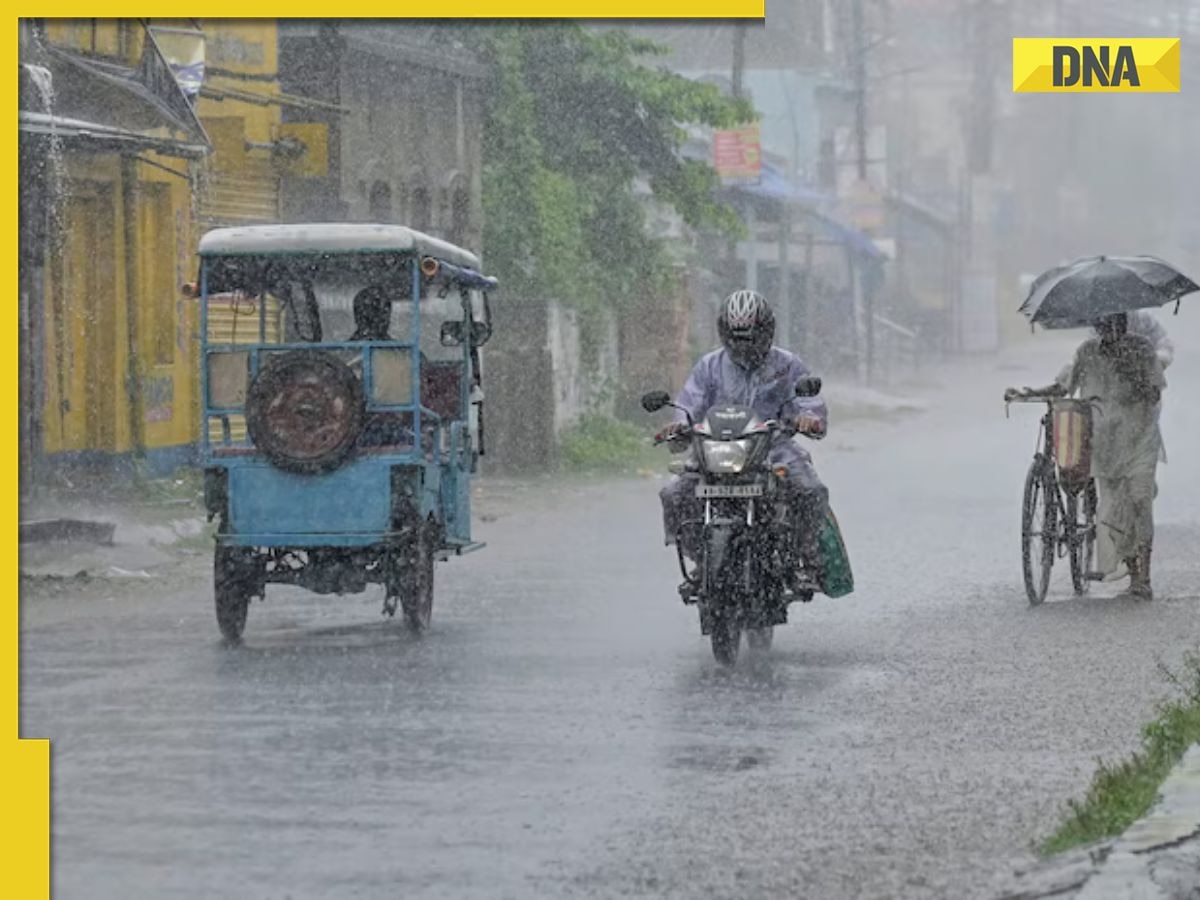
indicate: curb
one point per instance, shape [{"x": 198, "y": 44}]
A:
[{"x": 1156, "y": 858}]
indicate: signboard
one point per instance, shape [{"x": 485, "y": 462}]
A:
[
  {"x": 737, "y": 155},
  {"x": 863, "y": 206}
]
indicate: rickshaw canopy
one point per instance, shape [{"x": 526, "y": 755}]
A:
[{"x": 333, "y": 238}]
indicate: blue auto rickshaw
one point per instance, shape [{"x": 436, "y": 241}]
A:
[{"x": 342, "y": 409}]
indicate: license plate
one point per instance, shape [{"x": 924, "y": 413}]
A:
[{"x": 729, "y": 490}]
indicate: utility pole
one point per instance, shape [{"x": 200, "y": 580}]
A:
[
  {"x": 860, "y": 86},
  {"x": 979, "y": 321},
  {"x": 739, "y": 58},
  {"x": 859, "y": 72},
  {"x": 739, "y": 67}
]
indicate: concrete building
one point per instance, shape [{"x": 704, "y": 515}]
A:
[{"x": 404, "y": 127}]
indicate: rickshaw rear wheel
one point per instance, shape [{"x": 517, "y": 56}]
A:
[
  {"x": 233, "y": 586},
  {"x": 412, "y": 581}
]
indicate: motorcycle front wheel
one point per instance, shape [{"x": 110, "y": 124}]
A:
[{"x": 726, "y": 637}]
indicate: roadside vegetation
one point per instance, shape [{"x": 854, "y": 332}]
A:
[
  {"x": 1121, "y": 793},
  {"x": 602, "y": 444}
]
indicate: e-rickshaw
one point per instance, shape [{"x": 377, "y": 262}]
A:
[{"x": 342, "y": 409}]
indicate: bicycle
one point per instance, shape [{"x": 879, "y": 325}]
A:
[{"x": 1058, "y": 513}]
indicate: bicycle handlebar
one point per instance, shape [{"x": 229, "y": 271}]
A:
[{"x": 1048, "y": 398}]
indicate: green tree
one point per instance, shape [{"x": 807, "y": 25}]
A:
[{"x": 576, "y": 120}]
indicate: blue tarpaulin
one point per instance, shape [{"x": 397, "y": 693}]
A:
[{"x": 775, "y": 186}]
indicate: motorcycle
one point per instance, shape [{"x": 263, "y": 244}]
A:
[{"x": 749, "y": 568}]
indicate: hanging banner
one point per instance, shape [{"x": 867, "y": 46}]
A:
[{"x": 737, "y": 155}]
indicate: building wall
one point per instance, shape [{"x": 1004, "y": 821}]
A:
[
  {"x": 240, "y": 184},
  {"x": 89, "y": 333},
  {"x": 119, "y": 342},
  {"x": 536, "y": 385},
  {"x": 412, "y": 138},
  {"x": 407, "y": 148}
]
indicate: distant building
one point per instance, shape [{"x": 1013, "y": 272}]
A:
[{"x": 405, "y": 146}]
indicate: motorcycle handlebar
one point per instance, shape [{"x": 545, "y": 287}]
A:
[{"x": 686, "y": 433}]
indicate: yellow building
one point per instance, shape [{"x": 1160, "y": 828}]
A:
[{"x": 137, "y": 136}]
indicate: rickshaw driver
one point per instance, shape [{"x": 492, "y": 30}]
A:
[
  {"x": 372, "y": 308},
  {"x": 372, "y": 314},
  {"x": 749, "y": 370}
]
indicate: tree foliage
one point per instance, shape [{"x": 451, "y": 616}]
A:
[{"x": 576, "y": 122}]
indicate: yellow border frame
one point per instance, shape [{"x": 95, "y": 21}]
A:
[
  {"x": 25, "y": 764},
  {"x": 486, "y": 9}
]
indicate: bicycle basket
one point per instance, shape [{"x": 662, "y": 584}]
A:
[{"x": 1071, "y": 427}]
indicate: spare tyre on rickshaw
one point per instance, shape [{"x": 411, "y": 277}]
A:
[{"x": 342, "y": 409}]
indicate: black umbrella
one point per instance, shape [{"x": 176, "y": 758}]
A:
[{"x": 1080, "y": 293}]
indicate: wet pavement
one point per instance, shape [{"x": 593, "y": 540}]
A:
[{"x": 563, "y": 731}]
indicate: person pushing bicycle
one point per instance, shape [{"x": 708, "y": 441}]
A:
[{"x": 1124, "y": 372}]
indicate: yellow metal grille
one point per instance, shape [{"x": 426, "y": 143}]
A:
[
  {"x": 233, "y": 319},
  {"x": 247, "y": 196},
  {"x": 237, "y": 430}
]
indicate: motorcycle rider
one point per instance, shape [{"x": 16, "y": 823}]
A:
[{"x": 748, "y": 370}]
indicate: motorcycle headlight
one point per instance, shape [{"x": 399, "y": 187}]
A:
[{"x": 726, "y": 457}]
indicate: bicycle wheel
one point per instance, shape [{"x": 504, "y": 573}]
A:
[
  {"x": 1038, "y": 532},
  {"x": 1081, "y": 537}
]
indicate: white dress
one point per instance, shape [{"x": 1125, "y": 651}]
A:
[{"x": 1127, "y": 377}]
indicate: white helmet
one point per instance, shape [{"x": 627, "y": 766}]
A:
[{"x": 746, "y": 325}]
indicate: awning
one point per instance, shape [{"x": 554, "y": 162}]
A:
[
  {"x": 811, "y": 203},
  {"x": 858, "y": 241},
  {"x": 81, "y": 98},
  {"x": 107, "y": 136},
  {"x": 936, "y": 218},
  {"x": 774, "y": 185}
]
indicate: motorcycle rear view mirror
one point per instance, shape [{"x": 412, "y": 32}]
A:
[
  {"x": 655, "y": 400},
  {"x": 808, "y": 386}
]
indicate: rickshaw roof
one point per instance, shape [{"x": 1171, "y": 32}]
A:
[{"x": 331, "y": 237}]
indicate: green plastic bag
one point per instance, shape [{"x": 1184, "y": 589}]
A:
[{"x": 837, "y": 580}]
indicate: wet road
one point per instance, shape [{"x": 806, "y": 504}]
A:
[{"x": 563, "y": 731}]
